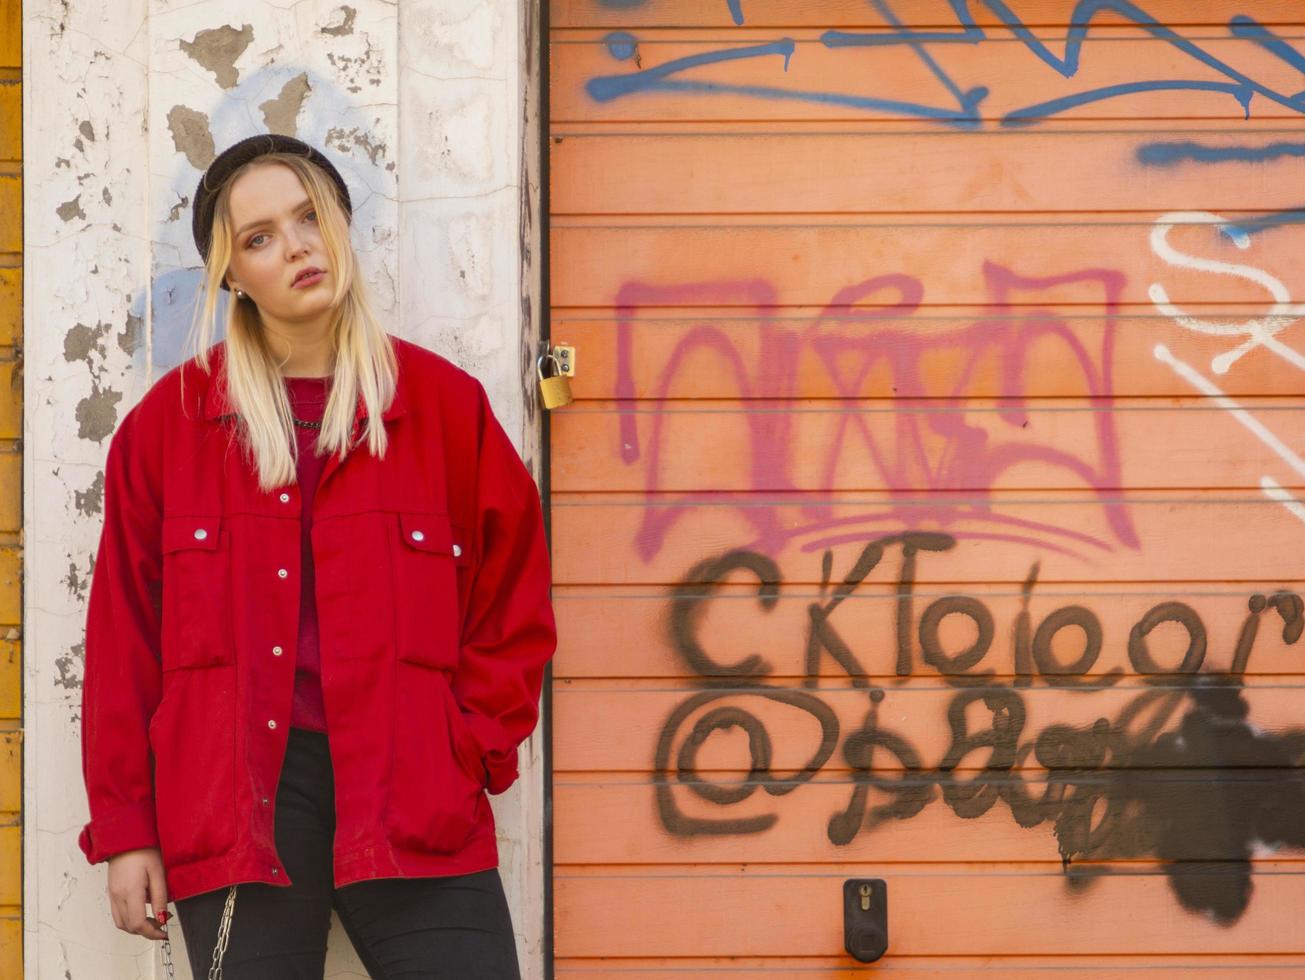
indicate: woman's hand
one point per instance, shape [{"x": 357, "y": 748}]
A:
[{"x": 134, "y": 878}]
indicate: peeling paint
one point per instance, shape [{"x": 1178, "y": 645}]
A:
[
  {"x": 191, "y": 135},
  {"x": 218, "y": 49},
  {"x": 71, "y": 668},
  {"x": 87, "y": 130},
  {"x": 97, "y": 413},
  {"x": 81, "y": 340},
  {"x": 281, "y": 113},
  {"x": 132, "y": 335},
  {"x": 177, "y": 209},
  {"x": 76, "y": 582},
  {"x": 108, "y": 198},
  {"x": 346, "y": 140},
  {"x": 71, "y": 209},
  {"x": 339, "y": 30},
  {"x": 90, "y": 502},
  {"x": 351, "y": 68}
]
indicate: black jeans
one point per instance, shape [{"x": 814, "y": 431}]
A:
[{"x": 457, "y": 926}]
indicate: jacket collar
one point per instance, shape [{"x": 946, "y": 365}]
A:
[{"x": 216, "y": 405}]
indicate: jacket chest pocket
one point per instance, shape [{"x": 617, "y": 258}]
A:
[
  {"x": 431, "y": 565},
  {"x": 196, "y": 627}
]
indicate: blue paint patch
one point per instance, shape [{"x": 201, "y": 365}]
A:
[
  {"x": 736, "y": 11},
  {"x": 1172, "y": 154},
  {"x": 1245, "y": 229},
  {"x": 621, "y": 45}
]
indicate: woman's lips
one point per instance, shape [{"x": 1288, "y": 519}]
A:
[{"x": 308, "y": 280}]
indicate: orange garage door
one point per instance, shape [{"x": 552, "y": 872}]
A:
[{"x": 932, "y": 510}]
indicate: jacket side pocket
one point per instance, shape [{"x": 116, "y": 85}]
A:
[{"x": 435, "y": 803}]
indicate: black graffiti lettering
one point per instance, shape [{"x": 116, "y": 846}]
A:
[
  {"x": 1290, "y": 608},
  {"x": 912, "y": 544},
  {"x": 1072, "y": 757},
  {"x": 973, "y": 797},
  {"x": 759, "y": 746},
  {"x": 822, "y": 636},
  {"x": 911, "y": 791},
  {"x": 1167, "y": 612},
  {"x": 759, "y": 752},
  {"x": 688, "y": 603},
  {"x": 1246, "y": 638},
  {"x": 954, "y": 666},
  {"x": 1197, "y": 791},
  {"x": 1023, "y": 640},
  {"x": 1071, "y": 675}
]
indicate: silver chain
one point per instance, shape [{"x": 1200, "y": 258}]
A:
[
  {"x": 167, "y": 959},
  {"x": 224, "y": 934}
]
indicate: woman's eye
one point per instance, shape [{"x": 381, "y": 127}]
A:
[{"x": 253, "y": 242}]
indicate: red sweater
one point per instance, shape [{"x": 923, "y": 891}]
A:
[{"x": 307, "y": 402}]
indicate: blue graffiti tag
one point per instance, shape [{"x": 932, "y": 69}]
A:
[
  {"x": 1170, "y": 154},
  {"x": 966, "y": 114},
  {"x": 735, "y": 7},
  {"x": 1252, "y": 226}
]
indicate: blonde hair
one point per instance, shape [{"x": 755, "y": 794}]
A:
[{"x": 365, "y": 361}]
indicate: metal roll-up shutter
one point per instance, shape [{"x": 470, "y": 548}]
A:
[{"x": 932, "y": 507}]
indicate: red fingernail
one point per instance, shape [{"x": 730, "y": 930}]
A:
[{"x": 163, "y": 917}]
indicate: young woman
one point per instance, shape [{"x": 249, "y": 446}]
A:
[{"x": 319, "y": 617}]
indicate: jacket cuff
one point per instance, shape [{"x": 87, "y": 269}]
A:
[
  {"x": 124, "y": 829},
  {"x": 501, "y": 769}
]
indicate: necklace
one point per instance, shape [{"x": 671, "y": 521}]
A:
[{"x": 304, "y": 423}]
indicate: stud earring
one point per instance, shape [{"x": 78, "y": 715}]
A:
[{"x": 239, "y": 294}]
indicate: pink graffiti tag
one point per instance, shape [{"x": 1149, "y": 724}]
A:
[{"x": 931, "y": 454}]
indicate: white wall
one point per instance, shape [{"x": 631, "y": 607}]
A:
[{"x": 419, "y": 105}]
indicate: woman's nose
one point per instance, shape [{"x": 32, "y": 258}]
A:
[{"x": 294, "y": 244}]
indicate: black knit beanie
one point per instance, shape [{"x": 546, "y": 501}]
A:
[{"x": 237, "y": 155}]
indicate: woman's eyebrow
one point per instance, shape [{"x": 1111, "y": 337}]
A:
[{"x": 263, "y": 221}]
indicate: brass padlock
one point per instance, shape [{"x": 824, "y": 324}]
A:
[{"x": 556, "y": 390}]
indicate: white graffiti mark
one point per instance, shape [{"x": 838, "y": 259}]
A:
[
  {"x": 1259, "y": 331},
  {"x": 1272, "y": 489},
  {"x": 1276, "y": 491}
]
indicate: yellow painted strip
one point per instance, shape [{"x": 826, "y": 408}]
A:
[
  {"x": 11, "y": 306},
  {"x": 11, "y": 118},
  {"x": 11, "y": 213},
  {"x": 11, "y": 942},
  {"x": 11, "y": 706},
  {"x": 11, "y": 53}
]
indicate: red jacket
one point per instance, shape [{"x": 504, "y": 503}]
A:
[{"x": 436, "y": 624}]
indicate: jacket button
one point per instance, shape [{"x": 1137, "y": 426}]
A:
[
  {"x": 277, "y": 651},
  {"x": 418, "y": 536},
  {"x": 281, "y": 573},
  {"x": 200, "y": 534},
  {"x": 285, "y": 498},
  {"x": 265, "y": 803},
  {"x": 271, "y": 723},
  {"x": 457, "y": 550},
  {"x": 276, "y": 871}
]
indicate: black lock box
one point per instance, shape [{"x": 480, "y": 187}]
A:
[{"x": 865, "y": 918}]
